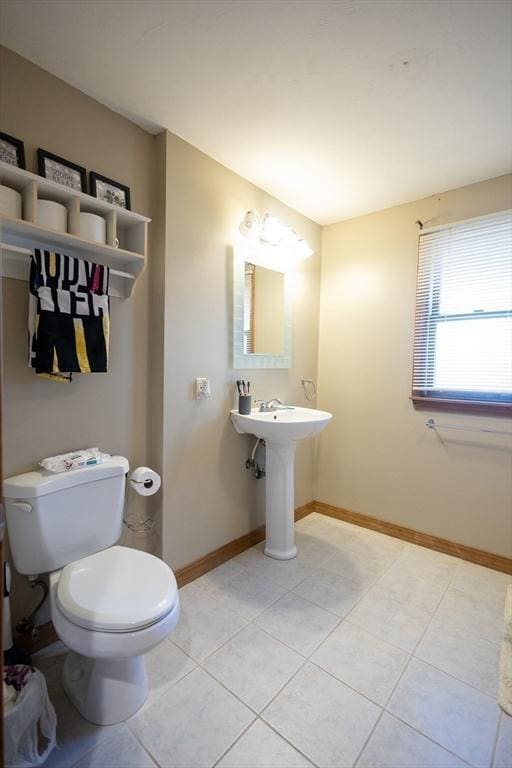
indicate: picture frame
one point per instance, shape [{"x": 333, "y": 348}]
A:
[
  {"x": 110, "y": 191},
  {"x": 12, "y": 150},
  {"x": 62, "y": 171}
]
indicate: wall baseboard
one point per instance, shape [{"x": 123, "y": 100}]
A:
[
  {"x": 473, "y": 555},
  {"x": 218, "y": 556},
  {"x": 47, "y": 634}
]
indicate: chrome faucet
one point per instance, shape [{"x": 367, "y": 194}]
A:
[{"x": 270, "y": 405}]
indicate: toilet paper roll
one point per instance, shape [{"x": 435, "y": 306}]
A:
[
  {"x": 93, "y": 227},
  {"x": 52, "y": 215},
  {"x": 10, "y": 202},
  {"x": 145, "y": 481}
]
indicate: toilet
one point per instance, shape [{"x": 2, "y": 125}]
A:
[{"x": 110, "y": 604}]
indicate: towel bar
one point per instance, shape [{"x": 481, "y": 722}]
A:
[{"x": 431, "y": 424}]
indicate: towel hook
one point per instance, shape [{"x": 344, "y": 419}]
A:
[{"x": 305, "y": 383}]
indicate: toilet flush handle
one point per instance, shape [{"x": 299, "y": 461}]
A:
[{"x": 23, "y": 506}]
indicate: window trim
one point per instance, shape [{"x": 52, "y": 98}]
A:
[
  {"x": 483, "y": 407},
  {"x": 477, "y": 403},
  {"x": 461, "y": 222}
]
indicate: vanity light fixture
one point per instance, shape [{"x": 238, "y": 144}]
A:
[{"x": 272, "y": 233}]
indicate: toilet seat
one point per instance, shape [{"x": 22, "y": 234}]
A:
[{"x": 116, "y": 590}]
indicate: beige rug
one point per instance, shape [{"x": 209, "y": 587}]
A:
[{"x": 505, "y": 692}]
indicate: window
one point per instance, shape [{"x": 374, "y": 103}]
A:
[{"x": 463, "y": 330}]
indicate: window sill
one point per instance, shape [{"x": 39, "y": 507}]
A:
[{"x": 461, "y": 406}]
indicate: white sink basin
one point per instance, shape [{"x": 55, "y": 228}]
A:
[
  {"x": 280, "y": 429},
  {"x": 282, "y": 425}
]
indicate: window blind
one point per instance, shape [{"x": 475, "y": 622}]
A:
[{"x": 463, "y": 326}]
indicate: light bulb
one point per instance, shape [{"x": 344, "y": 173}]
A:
[
  {"x": 250, "y": 225},
  {"x": 272, "y": 230},
  {"x": 302, "y": 250},
  {"x": 289, "y": 236}
]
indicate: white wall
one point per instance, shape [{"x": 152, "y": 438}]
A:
[
  {"x": 210, "y": 498},
  {"x": 377, "y": 457}
]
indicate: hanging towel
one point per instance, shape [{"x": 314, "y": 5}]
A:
[{"x": 69, "y": 316}]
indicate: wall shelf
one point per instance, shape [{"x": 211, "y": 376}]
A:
[{"x": 18, "y": 237}]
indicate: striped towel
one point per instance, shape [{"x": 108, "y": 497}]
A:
[{"x": 69, "y": 316}]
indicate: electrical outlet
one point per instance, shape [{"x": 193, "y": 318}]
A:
[{"x": 202, "y": 388}]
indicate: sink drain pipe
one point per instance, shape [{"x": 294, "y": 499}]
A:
[{"x": 252, "y": 463}]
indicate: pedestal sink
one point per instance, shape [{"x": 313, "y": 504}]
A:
[{"x": 281, "y": 429}]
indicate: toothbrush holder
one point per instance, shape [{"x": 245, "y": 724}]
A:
[{"x": 244, "y": 404}]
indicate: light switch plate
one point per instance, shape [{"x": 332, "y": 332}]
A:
[{"x": 202, "y": 388}]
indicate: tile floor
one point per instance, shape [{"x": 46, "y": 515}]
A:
[{"x": 363, "y": 651}]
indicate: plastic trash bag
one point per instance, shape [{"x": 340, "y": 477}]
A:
[{"x": 29, "y": 726}]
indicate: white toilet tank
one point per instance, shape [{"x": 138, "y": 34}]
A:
[{"x": 54, "y": 519}]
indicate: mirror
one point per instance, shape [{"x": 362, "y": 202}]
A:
[{"x": 261, "y": 309}]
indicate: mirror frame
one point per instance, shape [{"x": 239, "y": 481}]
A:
[{"x": 261, "y": 256}]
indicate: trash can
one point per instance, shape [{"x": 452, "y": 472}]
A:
[{"x": 29, "y": 720}]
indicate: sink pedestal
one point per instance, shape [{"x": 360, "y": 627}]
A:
[{"x": 280, "y": 517}]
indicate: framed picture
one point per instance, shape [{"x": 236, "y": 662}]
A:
[
  {"x": 110, "y": 191},
  {"x": 62, "y": 171},
  {"x": 12, "y": 150}
]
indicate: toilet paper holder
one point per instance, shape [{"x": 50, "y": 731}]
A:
[
  {"x": 145, "y": 482},
  {"x": 148, "y": 483}
]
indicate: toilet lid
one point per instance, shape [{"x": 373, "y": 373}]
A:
[{"x": 117, "y": 590}]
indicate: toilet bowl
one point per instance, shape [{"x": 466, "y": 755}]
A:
[{"x": 110, "y": 609}]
